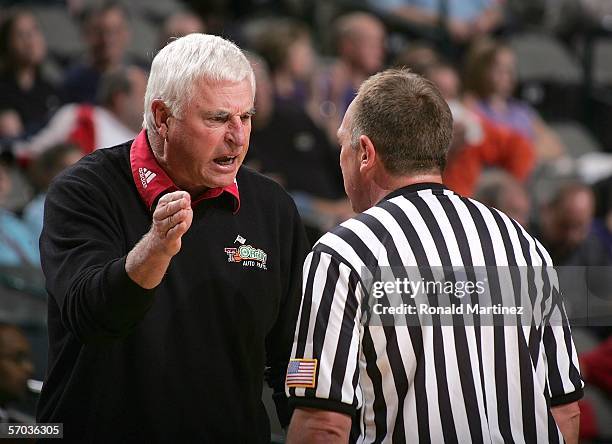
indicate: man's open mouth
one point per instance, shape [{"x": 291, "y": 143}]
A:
[{"x": 225, "y": 160}]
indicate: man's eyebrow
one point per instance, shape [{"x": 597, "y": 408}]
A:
[
  {"x": 216, "y": 114},
  {"x": 226, "y": 114}
]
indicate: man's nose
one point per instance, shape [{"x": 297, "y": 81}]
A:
[{"x": 236, "y": 131}]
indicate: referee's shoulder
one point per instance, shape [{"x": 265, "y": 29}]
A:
[
  {"x": 343, "y": 235},
  {"x": 512, "y": 226}
]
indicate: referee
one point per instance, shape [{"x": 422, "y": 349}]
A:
[{"x": 352, "y": 378}]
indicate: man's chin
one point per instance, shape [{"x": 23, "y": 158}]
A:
[
  {"x": 218, "y": 179},
  {"x": 223, "y": 182}
]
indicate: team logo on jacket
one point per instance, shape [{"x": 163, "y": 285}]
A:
[{"x": 246, "y": 254}]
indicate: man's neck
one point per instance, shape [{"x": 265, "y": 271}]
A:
[{"x": 392, "y": 183}]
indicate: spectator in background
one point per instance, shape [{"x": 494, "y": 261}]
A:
[
  {"x": 602, "y": 224},
  {"x": 42, "y": 171},
  {"x": 286, "y": 46},
  {"x": 287, "y": 146},
  {"x": 477, "y": 144},
  {"x": 490, "y": 78},
  {"x": 500, "y": 190},
  {"x": 417, "y": 56},
  {"x": 15, "y": 369},
  {"x": 360, "y": 41},
  {"x": 566, "y": 230},
  {"x": 118, "y": 117},
  {"x": 28, "y": 98},
  {"x": 180, "y": 24},
  {"x": 464, "y": 19},
  {"x": 10, "y": 125},
  {"x": 565, "y": 227},
  {"x": 18, "y": 245},
  {"x": 106, "y": 33}
]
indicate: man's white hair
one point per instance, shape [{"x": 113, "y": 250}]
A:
[{"x": 180, "y": 64}]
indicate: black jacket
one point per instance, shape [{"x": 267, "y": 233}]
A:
[{"x": 183, "y": 362}]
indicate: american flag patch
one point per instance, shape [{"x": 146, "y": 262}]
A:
[{"x": 301, "y": 373}]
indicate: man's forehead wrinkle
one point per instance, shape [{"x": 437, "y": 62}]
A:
[{"x": 226, "y": 97}]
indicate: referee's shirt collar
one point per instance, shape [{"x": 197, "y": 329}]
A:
[{"x": 415, "y": 187}]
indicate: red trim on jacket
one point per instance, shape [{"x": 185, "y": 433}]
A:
[{"x": 152, "y": 181}]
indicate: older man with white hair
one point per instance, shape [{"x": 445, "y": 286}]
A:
[{"x": 173, "y": 272}]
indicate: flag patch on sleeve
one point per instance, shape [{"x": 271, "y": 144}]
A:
[{"x": 301, "y": 373}]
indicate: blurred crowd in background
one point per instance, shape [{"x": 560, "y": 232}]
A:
[{"x": 529, "y": 83}]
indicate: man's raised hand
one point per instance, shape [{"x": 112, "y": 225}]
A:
[
  {"x": 148, "y": 261},
  {"x": 171, "y": 219}
]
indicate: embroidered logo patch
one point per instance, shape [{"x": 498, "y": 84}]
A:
[
  {"x": 146, "y": 176},
  {"x": 301, "y": 373},
  {"x": 247, "y": 255}
]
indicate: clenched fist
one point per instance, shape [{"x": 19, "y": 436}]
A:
[
  {"x": 148, "y": 261},
  {"x": 171, "y": 219}
]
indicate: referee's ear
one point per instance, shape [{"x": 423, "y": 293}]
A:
[{"x": 367, "y": 154}]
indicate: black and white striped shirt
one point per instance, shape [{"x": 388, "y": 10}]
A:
[{"x": 432, "y": 383}]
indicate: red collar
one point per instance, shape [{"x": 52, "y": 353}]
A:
[{"x": 152, "y": 181}]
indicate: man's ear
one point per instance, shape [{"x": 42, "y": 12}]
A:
[
  {"x": 161, "y": 114},
  {"x": 367, "y": 154}
]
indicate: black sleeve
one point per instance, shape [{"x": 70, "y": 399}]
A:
[
  {"x": 280, "y": 338},
  {"x": 83, "y": 259}
]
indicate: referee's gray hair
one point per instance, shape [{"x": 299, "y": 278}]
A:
[{"x": 180, "y": 64}]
